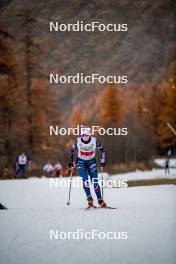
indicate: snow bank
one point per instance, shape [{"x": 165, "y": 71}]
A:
[
  {"x": 161, "y": 162},
  {"x": 144, "y": 175}
]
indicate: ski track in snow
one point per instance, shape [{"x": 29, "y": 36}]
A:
[{"x": 147, "y": 214}]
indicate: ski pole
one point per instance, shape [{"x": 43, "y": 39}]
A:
[
  {"x": 68, "y": 203},
  {"x": 102, "y": 189}
]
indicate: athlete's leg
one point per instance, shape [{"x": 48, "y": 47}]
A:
[
  {"x": 23, "y": 171},
  {"x": 20, "y": 171},
  {"x": 84, "y": 174},
  {"x": 168, "y": 169},
  {"x": 92, "y": 170}
]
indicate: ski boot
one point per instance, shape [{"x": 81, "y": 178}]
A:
[
  {"x": 90, "y": 203},
  {"x": 101, "y": 203}
]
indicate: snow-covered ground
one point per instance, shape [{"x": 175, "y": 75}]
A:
[
  {"x": 147, "y": 214},
  {"x": 161, "y": 162},
  {"x": 144, "y": 175}
]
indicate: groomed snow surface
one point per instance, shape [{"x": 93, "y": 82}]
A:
[{"x": 147, "y": 214}]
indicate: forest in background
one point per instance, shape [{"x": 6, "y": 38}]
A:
[{"x": 28, "y": 105}]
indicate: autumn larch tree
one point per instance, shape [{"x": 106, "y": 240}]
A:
[
  {"x": 110, "y": 116},
  {"x": 111, "y": 106},
  {"x": 168, "y": 115}
]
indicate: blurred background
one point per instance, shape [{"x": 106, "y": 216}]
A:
[{"x": 29, "y": 104}]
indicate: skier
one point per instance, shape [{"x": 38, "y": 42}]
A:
[
  {"x": 167, "y": 166},
  {"x": 57, "y": 170},
  {"x": 86, "y": 146},
  {"x": 21, "y": 162},
  {"x": 48, "y": 168}
]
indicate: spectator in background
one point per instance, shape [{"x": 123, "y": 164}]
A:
[
  {"x": 21, "y": 162},
  {"x": 48, "y": 169},
  {"x": 57, "y": 170},
  {"x": 167, "y": 166}
]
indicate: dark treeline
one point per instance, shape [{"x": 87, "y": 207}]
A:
[{"x": 28, "y": 105}]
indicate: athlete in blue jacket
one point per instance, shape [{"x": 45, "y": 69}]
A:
[{"x": 86, "y": 146}]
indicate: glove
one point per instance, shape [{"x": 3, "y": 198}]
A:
[
  {"x": 102, "y": 164},
  {"x": 70, "y": 164}
]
